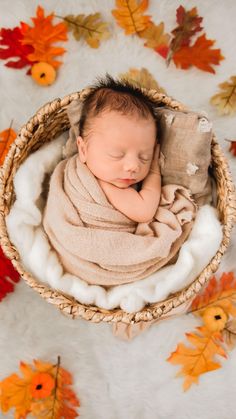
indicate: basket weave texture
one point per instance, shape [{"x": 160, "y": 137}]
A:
[{"x": 52, "y": 120}]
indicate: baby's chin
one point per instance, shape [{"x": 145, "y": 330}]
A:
[{"x": 123, "y": 184}]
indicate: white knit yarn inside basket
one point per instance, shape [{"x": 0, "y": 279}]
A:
[{"x": 26, "y": 233}]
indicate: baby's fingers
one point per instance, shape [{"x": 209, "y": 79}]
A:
[
  {"x": 156, "y": 152},
  {"x": 158, "y": 147}
]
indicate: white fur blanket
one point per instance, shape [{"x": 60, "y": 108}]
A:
[
  {"x": 115, "y": 379},
  {"x": 26, "y": 233}
]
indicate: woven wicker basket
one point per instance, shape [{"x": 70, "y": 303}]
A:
[{"x": 50, "y": 121}]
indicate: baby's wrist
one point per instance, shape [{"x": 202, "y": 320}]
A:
[{"x": 155, "y": 171}]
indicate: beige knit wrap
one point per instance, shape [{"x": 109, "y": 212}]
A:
[{"x": 98, "y": 243}]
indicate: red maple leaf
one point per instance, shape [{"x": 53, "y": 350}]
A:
[
  {"x": 199, "y": 55},
  {"x": 11, "y": 38},
  {"x": 233, "y": 148},
  {"x": 7, "y": 274}
]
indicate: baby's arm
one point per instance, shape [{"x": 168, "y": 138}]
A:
[{"x": 138, "y": 206}]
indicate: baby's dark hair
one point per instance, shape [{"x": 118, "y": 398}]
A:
[{"x": 115, "y": 95}]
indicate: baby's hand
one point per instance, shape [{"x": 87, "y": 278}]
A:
[{"x": 155, "y": 160}]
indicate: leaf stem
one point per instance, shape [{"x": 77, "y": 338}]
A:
[
  {"x": 56, "y": 382},
  {"x": 231, "y": 94},
  {"x": 77, "y": 24}
]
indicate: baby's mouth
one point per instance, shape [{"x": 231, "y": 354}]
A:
[{"x": 127, "y": 180}]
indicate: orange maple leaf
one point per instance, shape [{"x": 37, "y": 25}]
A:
[
  {"x": 43, "y": 391},
  {"x": 62, "y": 401},
  {"x": 41, "y": 37},
  {"x": 221, "y": 293},
  {"x": 6, "y": 138},
  {"x": 198, "y": 360},
  {"x": 129, "y": 15},
  {"x": 199, "y": 55},
  {"x": 15, "y": 392}
]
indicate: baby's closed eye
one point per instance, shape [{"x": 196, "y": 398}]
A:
[
  {"x": 116, "y": 156},
  {"x": 120, "y": 156}
]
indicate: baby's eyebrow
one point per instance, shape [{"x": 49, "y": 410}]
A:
[
  {"x": 118, "y": 147},
  {"x": 147, "y": 150}
]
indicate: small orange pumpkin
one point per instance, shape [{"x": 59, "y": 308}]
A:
[
  {"x": 43, "y": 73},
  {"x": 42, "y": 385},
  {"x": 215, "y": 318}
]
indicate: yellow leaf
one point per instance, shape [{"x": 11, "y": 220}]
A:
[
  {"x": 155, "y": 36},
  {"x": 198, "y": 360},
  {"x": 225, "y": 101},
  {"x": 89, "y": 27},
  {"x": 141, "y": 78},
  {"x": 129, "y": 15}
]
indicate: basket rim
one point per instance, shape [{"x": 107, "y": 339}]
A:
[{"x": 68, "y": 304}]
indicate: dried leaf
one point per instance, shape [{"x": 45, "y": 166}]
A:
[
  {"x": 11, "y": 38},
  {"x": 188, "y": 25},
  {"x": 156, "y": 38},
  {"x": 233, "y": 148},
  {"x": 41, "y": 36},
  {"x": 225, "y": 101},
  {"x": 89, "y": 27},
  {"x": 129, "y": 15},
  {"x": 198, "y": 360},
  {"x": 6, "y": 138},
  {"x": 199, "y": 55},
  {"x": 43, "y": 391},
  {"x": 221, "y": 293},
  {"x": 141, "y": 78}
]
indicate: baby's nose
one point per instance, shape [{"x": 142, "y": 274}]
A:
[{"x": 131, "y": 164}]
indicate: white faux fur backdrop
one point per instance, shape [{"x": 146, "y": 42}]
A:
[{"x": 116, "y": 379}]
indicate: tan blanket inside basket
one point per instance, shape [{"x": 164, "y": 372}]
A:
[{"x": 99, "y": 244}]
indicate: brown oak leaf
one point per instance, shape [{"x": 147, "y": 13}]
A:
[{"x": 89, "y": 27}]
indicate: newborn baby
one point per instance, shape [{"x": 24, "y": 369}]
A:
[
  {"x": 118, "y": 145},
  {"x": 107, "y": 215}
]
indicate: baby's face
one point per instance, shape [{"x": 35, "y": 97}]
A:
[{"x": 119, "y": 148}]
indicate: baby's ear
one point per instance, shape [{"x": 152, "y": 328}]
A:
[{"x": 81, "y": 149}]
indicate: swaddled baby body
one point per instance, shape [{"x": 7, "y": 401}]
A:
[
  {"x": 120, "y": 150},
  {"x": 107, "y": 215}
]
